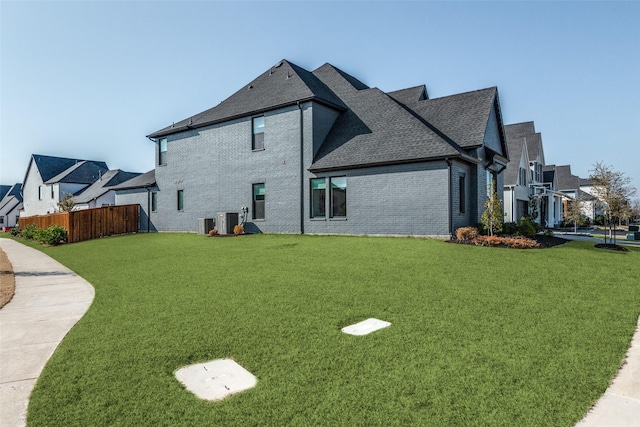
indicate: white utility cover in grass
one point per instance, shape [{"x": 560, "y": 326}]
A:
[
  {"x": 216, "y": 379},
  {"x": 365, "y": 327}
]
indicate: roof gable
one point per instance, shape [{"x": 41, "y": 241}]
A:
[
  {"x": 377, "y": 130},
  {"x": 462, "y": 117},
  {"x": 410, "y": 95},
  {"x": 518, "y": 151},
  {"x": 283, "y": 84},
  {"x": 145, "y": 180}
]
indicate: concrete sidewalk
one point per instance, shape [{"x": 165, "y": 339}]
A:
[{"x": 49, "y": 300}]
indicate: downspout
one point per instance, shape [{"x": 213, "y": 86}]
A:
[
  {"x": 450, "y": 197},
  {"x": 148, "y": 210},
  {"x": 301, "y": 171}
]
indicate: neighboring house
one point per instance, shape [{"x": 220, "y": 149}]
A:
[
  {"x": 10, "y": 205},
  {"x": 141, "y": 190},
  {"x": 102, "y": 192},
  {"x": 321, "y": 152},
  {"x": 571, "y": 186},
  {"x": 49, "y": 179},
  {"x": 526, "y": 191}
]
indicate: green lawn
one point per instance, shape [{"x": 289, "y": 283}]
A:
[{"x": 479, "y": 336}]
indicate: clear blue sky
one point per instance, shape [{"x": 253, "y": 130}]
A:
[{"x": 90, "y": 79}]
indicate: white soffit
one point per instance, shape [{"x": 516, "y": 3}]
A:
[
  {"x": 216, "y": 380},
  {"x": 365, "y": 327}
]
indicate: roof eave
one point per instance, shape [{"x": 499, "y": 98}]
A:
[
  {"x": 183, "y": 128},
  {"x": 394, "y": 162}
]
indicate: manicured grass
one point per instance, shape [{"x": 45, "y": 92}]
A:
[{"x": 479, "y": 336}]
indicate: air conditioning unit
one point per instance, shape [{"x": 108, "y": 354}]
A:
[
  {"x": 205, "y": 225},
  {"x": 226, "y": 222}
]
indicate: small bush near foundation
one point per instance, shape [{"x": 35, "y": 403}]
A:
[
  {"x": 526, "y": 227},
  {"x": 15, "y": 231},
  {"x": 213, "y": 232},
  {"x": 466, "y": 233},
  {"x": 509, "y": 228},
  {"x": 238, "y": 229}
]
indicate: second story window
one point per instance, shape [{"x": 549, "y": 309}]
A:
[
  {"x": 40, "y": 193},
  {"x": 154, "y": 201},
  {"x": 257, "y": 141},
  {"x": 162, "y": 156}
]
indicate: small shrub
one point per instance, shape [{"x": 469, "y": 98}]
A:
[
  {"x": 213, "y": 232},
  {"x": 54, "y": 235},
  {"x": 548, "y": 233},
  {"x": 466, "y": 233},
  {"x": 15, "y": 231},
  {"x": 29, "y": 232},
  {"x": 238, "y": 229},
  {"x": 510, "y": 228},
  {"x": 526, "y": 227}
]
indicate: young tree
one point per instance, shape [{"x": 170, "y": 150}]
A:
[
  {"x": 492, "y": 216},
  {"x": 67, "y": 203},
  {"x": 574, "y": 211},
  {"x": 614, "y": 189}
]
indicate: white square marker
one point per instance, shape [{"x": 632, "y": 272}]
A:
[
  {"x": 365, "y": 327},
  {"x": 215, "y": 380}
]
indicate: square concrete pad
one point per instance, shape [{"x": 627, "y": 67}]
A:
[
  {"x": 365, "y": 327},
  {"x": 215, "y": 380}
]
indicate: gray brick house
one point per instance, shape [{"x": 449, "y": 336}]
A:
[{"x": 321, "y": 152}]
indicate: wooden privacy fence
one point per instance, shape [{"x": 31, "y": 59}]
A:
[{"x": 90, "y": 223}]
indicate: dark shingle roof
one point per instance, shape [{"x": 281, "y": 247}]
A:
[
  {"x": 281, "y": 85},
  {"x": 519, "y": 129},
  {"x": 375, "y": 129},
  {"x": 4, "y": 189},
  {"x": 462, "y": 117},
  {"x": 83, "y": 172},
  {"x": 516, "y": 146},
  {"x": 410, "y": 95},
  {"x": 147, "y": 179},
  {"x": 108, "y": 182},
  {"x": 16, "y": 191},
  {"x": 59, "y": 167},
  {"x": 566, "y": 180},
  {"x": 534, "y": 145}
]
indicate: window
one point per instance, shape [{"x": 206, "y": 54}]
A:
[
  {"x": 338, "y": 196},
  {"x": 318, "y": 197},
  {"x": 523, "y": 176},
  {"x": 180, "y": 200},
  {"x": 491, "y": 183},
  {"x": 462, "y": 193},
  {"x": 52, "y": 195},
  {"x": 258, "y": 201},
  {"x": 154, "y": 201},
  {"x": 162, "y": 158},
  {"x": 40, "y": 193},
  {"x": 257, "y": 142},
  {"x": 1, "y": 219}
]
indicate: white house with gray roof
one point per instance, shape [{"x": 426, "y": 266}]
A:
[
  {"x": 48, "y": 179},
  {"x": 10, "y": 206},
  {"x": 321, "y": 152}
]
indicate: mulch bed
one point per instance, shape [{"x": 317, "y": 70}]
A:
[
  {"x": 612, "y": 247},
  {"x": 7, "y": 279},
  {"x": 543, "y": 241}
]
